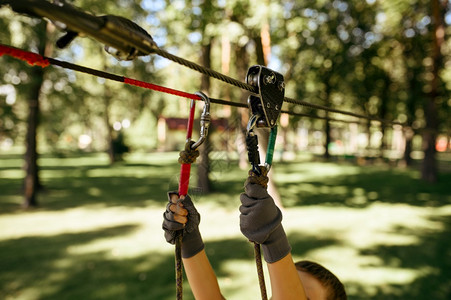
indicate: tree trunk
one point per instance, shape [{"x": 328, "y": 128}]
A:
[
  {"x": 328, "y": 138},
  {"x": 368, "y": 134},
  {"x": 382, "y": 114},
  {"x": 327, "y": 122},
  {"x": 383, "y": 145},
  {"x": 242, "y": 63},
  {"x": 203, "y": 169},
  {"x": 429, "y": 169},
  {"x": 262, "y": 44},
  {"x": 31, "y": 181},
  {"x": 408, "y": 133},
  {"x": 110, "y": 147}
]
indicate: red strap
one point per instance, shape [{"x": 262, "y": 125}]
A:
[
  {"x": 159, "y": 88},
  {"x": 185, "y": 169},
  {"x": 31, "y": 58},
  {"x": 39, "y": 60}
]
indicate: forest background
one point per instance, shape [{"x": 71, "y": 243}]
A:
[{"x": 384, "y": 59}]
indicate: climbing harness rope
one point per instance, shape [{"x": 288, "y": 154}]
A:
[
  {"x": 265, "y": 107},
  {"x": 126, "y": 40},
  {"x": 186, "y": 158},
  {"x": 35, "y": 59},
  {"x": 123, "y": 38},
  {"x": 258, "y": 174},
  {"x": 260, "y": 274}
]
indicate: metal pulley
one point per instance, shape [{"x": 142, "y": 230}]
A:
[
  {"x": 265, "y": 110},
  {"x": 123, "y": 38},
  {"x": 267, "y": 104}
]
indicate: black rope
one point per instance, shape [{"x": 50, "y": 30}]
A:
[
  {"x": 253, "y": 89},
  {"x": 178, "y": 267},
  {"x": 120, "y": 32},
  {"x": 118, "y": 78},
  {"x": 338, "y": 111},
  {"x": 229, "y": 103},
  {"x": 78, "y": 68},
  {"x": 114, "y": 77},
  {"x": 326, "y": 118},
  {"x": 261, "y": 277}
]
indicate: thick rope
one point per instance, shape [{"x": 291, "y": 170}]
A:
[
  {"x": 188, "y": 156},
  {"x": 124, "y": 28},
  {"x": 206, "y": 71},
  {"x": 39, "y": 60},
  {"x": 262, "y": 180},
  {"x": 338, "y": 111},
  {"x": 178, "y": 267},
  {"x": 261, "y": 276},
  {"x": 253, "y": 89}
]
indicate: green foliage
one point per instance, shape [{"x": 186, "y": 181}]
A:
[
  {"x": 98, "y": 233},
  {"x": 73, "y": 104},
  {"x": 372, "y": 57},
  {"x": 356, "y": 55}
]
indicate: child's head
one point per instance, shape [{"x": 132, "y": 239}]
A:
[{"x": 319, "y": 282}]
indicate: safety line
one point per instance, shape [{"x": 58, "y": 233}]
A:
[
  {"x": 339, "y": 111},
  {"x": 35, "y": 59},
  {"x": 254, "y": 89},
  {"x": 206, "y": 71},
  {"x": 119, "y": 29}
]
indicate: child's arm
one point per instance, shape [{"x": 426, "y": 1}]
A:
[{"x": 181, "y": 217}]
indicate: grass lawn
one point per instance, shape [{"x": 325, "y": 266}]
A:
[{"x": 97, "y": 233}]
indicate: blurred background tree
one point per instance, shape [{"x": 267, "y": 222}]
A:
[{"x": 386, "y": 59}]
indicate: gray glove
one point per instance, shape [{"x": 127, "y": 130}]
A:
[
  {"x": 260, "y": 221},
  {"x": 191, "y": 239}
]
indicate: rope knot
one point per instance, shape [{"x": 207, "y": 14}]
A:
[
  {"x": 189, "y": 155},
  {"x": 261, "y": 179}
]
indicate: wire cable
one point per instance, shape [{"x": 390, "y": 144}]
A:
[
  {"x": 125, "y": 39},
  {"x": 206, "y": 71},
  {"x": 253, "y": 89},
  {"x": 43, "y": 61}
]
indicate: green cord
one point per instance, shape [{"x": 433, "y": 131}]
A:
[{"x": 270, "y": 149}]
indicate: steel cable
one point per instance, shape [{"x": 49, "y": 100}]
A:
[{"x": 36, "y": 59}]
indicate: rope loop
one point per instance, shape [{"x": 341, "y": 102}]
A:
[
  {"x": 189, "y": 155},
  {"x": 261, "y": 179},
  {"x": 261, "y": 276}
]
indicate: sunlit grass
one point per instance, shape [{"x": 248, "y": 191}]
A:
[
  {"x": 98, "y": 231},
  {"x": 12, "y": 174}
]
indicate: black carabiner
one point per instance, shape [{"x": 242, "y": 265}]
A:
[{"x": 252, "y": 144}]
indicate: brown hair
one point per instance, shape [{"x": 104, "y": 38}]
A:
[{"x": 334, "y": 287}]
